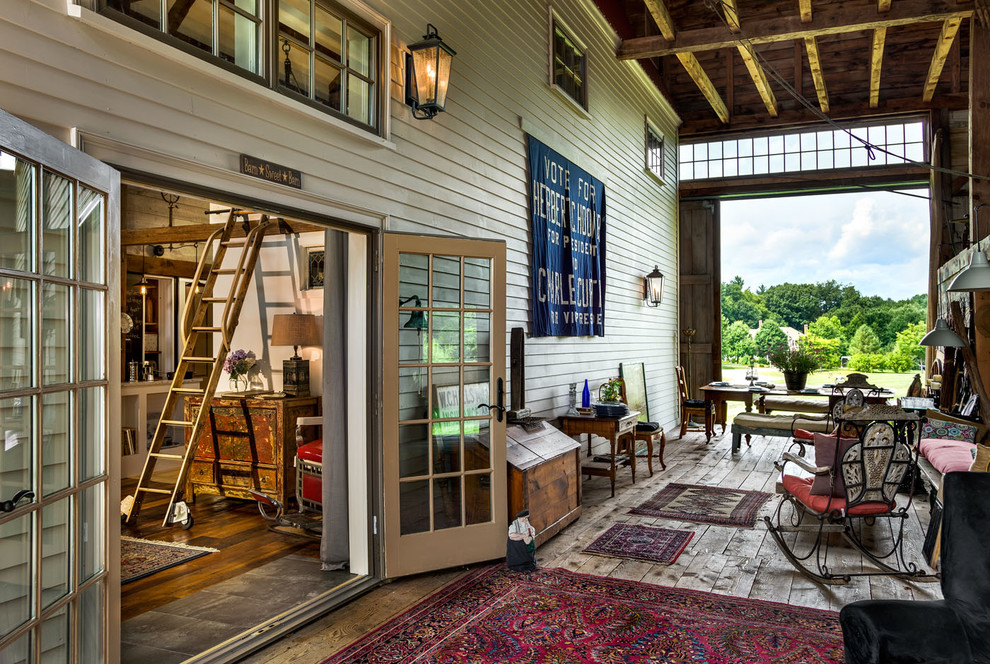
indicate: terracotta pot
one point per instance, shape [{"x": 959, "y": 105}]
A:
[{"x": 795, "y": 380}]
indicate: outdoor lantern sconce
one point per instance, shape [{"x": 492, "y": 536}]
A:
[
  {"x": 427, "y": 74},
  {"x": 654, "y": 287}
]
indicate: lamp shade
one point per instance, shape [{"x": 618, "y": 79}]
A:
[
  {"x": 976, "y": 277},
  {"x": 654, "y": 287},
  {"x": 295, "y": 330},
  {"x": 942, "y": 335}
]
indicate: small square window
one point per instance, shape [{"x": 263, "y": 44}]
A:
[
  {"x": 569, "y": 66},
  {"x": 654, "y": 152},
  {"x": 315, "y": 262}
]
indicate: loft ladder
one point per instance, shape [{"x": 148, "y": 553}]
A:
[{"x": 198, "y": 304}]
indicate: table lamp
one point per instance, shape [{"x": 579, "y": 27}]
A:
[{"x": 295, "y": 330}]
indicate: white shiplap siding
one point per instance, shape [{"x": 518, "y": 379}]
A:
[{"x": 463, "y": 173}]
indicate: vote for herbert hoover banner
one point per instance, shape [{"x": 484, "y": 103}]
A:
[{"x": 567, "y": 221}]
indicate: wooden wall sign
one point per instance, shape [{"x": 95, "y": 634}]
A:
[{"x": 266, "y": 170}]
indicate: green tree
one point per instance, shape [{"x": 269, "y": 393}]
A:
[
  {"x": 829, "y": 327},
  {"x": 908, "y": 355},
  {"x": 770, "y": 336},
  {"x": 864, "y": 341},
  {"x": 827, "y": 349},
  {"x": 736, "y": 342}
]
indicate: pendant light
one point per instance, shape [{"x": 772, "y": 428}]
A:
[
  {"x": 976, "y": 277},
  {"x": 942, "y": 335}
]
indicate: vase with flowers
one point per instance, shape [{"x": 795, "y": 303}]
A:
[
  {"x": 795, "y": 363},
  {"x": 239, "y": 365}
]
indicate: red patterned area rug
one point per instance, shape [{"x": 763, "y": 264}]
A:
[
  {"x": 627, "y": 540},
  {"x": 555, "y": 616},
  {"x": 705, "y": 504},
  {"x": 140, "y": 557}
]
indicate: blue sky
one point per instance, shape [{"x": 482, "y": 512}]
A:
[{"x": 876, "y": 241}]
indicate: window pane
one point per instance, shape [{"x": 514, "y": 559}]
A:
[
  {"x": 477, "y": 390},
  {"x": 55, "y": 535},
  {"x": 414, "y": 507},
  {"x": 91, "y": 550},
  {"x": 146, "y": 11},
  {"x": 412, "y": 393},
  {"x": 56, "y": 225},
  {"x": 568, "y": 65},
  {"x": 16, "y": 333},
  {"x": 16, "y": 448},
  {"x": 55, "y": 334},
  {"x": 329, "y": 29},
  {"x": 15, "y": 591},
  {"x": 446, "y": 394},
  {"x": 327, "y": 84},
  {"x": 192, "y": 22},
  {"x": 91, "y": 335},
  {"x": 359, "y": 98},
  {"x": 16, "y": 212},
  {"x": 91, "y": 254},
  {"x": 446, "y": 335},
  {"x": 55, "y": 444},
  {"x": 90, "y": 418},
  {"x": 478, "y": 488},
  {"x": 293, "y": 73},
  {"x": 447, "y": 447},
  {"x": 477, "y": 282},
  {"x": 55, "y": 637},
  {"x": 414, "y": 279},
  {"x": 91, "y": 625},
  {"x": 477, "y": 337},
  {"x": 446, "y": 503},
  {"x": 238, "y": 40},
  {"x": 413, "y": 450},
  {"x": 19, "y": 651},
  {"x": 359, "y": 54},
  {"x": 446, "y": 281},
  {"x": 477, "y": 445}
]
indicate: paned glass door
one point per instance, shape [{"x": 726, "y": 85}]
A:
[
  {"x": 444, "y": 464},
  {"x": 54, "y": 348}
]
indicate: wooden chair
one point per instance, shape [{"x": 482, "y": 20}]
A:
[{"x": 689, "y": 407}]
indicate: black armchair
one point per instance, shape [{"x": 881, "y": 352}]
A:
[{"x": 953, "y": 630}]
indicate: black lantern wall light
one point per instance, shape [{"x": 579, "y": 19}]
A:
[
  {"x": 653, "y": 285},
  {"x": 427, "y": 74}
]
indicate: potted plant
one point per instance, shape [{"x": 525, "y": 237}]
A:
[
  {"x": 609, "y": 399},
  {"x": 796, "y": 364}
]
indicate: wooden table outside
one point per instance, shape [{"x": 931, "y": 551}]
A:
[
  {"x": 611, "y": 428},
  {"x": 723, "y": 393}
]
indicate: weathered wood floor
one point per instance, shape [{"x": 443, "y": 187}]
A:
[{"x": 734, "y": 561}]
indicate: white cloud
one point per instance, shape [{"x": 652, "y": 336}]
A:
[{"x": 876, "y": 241}]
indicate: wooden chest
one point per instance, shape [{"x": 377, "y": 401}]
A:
[
  {"x": 248, "y": 443},
  {"x": 544, "y": 477}
]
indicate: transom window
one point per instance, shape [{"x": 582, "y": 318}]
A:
[
  {"x": 809, "y": 150},
  {"x": 569, "y": 64},
  {"x": 318, "y": 52},
  {"x": 654, "y": 151}
]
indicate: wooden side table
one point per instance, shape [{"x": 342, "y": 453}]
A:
[{"x": 611, "y": 428}]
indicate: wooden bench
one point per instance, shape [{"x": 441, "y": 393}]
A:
[
  {"x": 768, "y": 404},
  {"x": 760, "y": 424}
]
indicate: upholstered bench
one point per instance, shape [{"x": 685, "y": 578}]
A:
[
  {"x": 792, "y": 405},
  {"x": 760, "y": 424}
]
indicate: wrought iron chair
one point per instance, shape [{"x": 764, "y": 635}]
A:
[
  {"x": 689, "y": 407},
  {"x": 876, "y": 453}
]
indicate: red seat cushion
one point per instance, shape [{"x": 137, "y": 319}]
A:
[
  {"x": 947, "y": 455},
  {"x": 800, "y": 488},
  {"x": 312, "y": 451},
  {"x": 801, "y": 434}
]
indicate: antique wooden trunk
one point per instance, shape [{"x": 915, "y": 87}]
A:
[
  {"x": 248, "y": 443},
  {"x": 544, "y": 477}
]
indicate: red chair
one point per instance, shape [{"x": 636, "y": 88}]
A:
[{"x": 309, "y": 469}]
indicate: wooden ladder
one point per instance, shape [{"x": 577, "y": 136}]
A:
[{"x": 201, "y": 299}]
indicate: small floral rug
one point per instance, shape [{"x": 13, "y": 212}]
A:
[
  {"x": 627, "y": 540},
  {"x": 553, "y": 616},
  {"x": 705, "y": 504},
  {"x": 140, "y": 557}
]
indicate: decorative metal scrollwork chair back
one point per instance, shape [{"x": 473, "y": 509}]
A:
[{"x": 823, "y": 533}]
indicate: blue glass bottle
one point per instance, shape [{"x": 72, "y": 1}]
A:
[{"x": 586, "y": 395}]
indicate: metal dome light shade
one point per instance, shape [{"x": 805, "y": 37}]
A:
[
  {"x": 942, "y": 335},
  {"x": 974, "y": 278}
]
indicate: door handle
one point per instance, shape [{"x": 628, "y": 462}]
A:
[
  {"x": 498, "y": 406},
  {"x": 11, "y": 505}
]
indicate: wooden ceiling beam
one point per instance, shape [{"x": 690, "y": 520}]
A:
[
  {"x": 883, "y": 6},
  {"x": 756, "y": 71},
  {"x": 948, "y": 35},
  {"x": 787, "y": 28},
  {"x": 688, "y": 60},
  {"x": 815, "y": 62},
  {"x": 201, "y": 232},
  {"x": 876, "y": 64},
  {"x": 731, "y": 14},
  {"x": 804, "y": 6}
]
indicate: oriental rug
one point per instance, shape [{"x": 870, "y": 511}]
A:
[
  {"x": 553, "y": 616},
  {"x": 705, "y": 504},
  {"x": 140, "y": 557},
  {"x": 627, "y": 540}
]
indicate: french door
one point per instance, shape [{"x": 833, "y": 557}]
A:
[
  {"x": 444, "y": 384},
  {"x": 57, "y": 349}
]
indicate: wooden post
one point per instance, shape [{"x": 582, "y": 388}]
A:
[
  {"x": 969, "y": 361},
  {"x": 979, "y": 124}
]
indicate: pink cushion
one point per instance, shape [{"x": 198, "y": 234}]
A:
[
  {"x": 800, "y": 488},
  {"x": 947, "y": 455},
  {"x": 825, "y": 456}
]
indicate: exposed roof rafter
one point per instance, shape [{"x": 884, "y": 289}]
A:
[
  {"x": 945, "y": 39},
  {"x": 876, "y": 64},
  {"x": 815, "y": 62}
]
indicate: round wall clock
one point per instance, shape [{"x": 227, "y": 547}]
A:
[{"x": 126, "y": 323}]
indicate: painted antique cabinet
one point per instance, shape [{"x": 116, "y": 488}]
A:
[{"x": 248, "y": 443}]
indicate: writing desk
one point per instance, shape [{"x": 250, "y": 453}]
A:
[{"x": 611, "y": 428}]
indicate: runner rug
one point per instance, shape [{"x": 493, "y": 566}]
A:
[
  {"x": 140, "y": 557},
  {"x": 627, "y": 540},
  {"x": 555, "y": 615},
  {"x": 705, "y": 504}
]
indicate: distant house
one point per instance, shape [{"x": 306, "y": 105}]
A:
[{"x": 792, "y": 334}]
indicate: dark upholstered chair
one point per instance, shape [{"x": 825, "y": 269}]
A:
[
  {"x": 689, "y": 407},
  {"x": 954, "y": 630}
]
